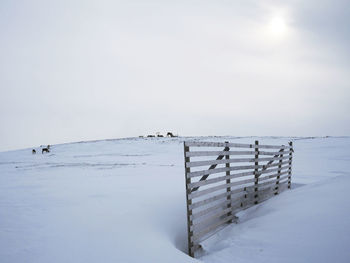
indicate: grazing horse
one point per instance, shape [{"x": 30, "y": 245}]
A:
[
  {"x": 170, "y": 134},
  {"x": 45, "y": 150}
]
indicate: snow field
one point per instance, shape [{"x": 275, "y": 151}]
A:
[{"x": 124, "y": 201}]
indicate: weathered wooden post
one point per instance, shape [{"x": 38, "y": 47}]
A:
[
  {"x": 256, "y": 172},
  {"x": 189, "y": 202},
  {"x": 228, "y": 181},
  {"x": 279, "y": 172},
  {"x": 290, "y": 164}
]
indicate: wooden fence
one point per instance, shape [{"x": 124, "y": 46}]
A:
[{"x": 234, "y": 181}]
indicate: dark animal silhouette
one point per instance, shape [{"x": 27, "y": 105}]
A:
[
  {"x": 151, "y": 136},
  {"x": 159, "y": 135},
  {"x": 45, "y": 150},
  {"x": 33, "y": 151},
  {"x": 170, "y": 134}
]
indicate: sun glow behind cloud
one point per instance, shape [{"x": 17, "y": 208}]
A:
[{"x": 278, "y": 26}]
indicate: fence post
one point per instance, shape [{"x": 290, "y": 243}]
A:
[
  {"x": 279, "y": 172},
  {"x": 290, "y": 165},
  {"x": 256, "y": 171},
  {"x": 189, "y": 203},
  {"x": 228, "y": 181}
]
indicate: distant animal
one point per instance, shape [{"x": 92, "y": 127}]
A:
[
  {"x": 170, "y": 134},
  {"x": 33, "y": 151},
  {"x": 151, "y": 136},
  {"x": 159, "y": 135},
  {"x": 45, "y": 150}
]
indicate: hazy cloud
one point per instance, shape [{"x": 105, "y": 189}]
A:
[{"x": 77, "y": 70}]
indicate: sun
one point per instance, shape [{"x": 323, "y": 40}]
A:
[{"x": 277, "y": 26}]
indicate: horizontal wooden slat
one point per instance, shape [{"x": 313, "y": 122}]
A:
[
  {"x": 274, "y": 170},
  {"x": 233, "y": 202},
  {"x": 273, "y": 153},
  {"x": 272, "y": 181},
  {"x": 219, "y": 187},
  {"x": 218, "y": 144},
  {"x": 204, "y": 232},
  {"x": 262, "y": 146},
  {"x": 273, "y": 165},
  {"x": 233, "y": 168},
  {"x": 215, "y": 153},
  {"x": 234, "y": 153},
  {"x": 219, "y": 179},
  {"x": 215, "y": 198},
  {"x": 221, "y": 170},
  {"x": 238, "y": 145},
  {"x": 232, "y": 176},
  {"x": 206, "y": 221},
  {"x": 272, "y": 176},
  {"x": 210, "y": 209},
  {"x": 284, "y": 179},
  {"x": 237, "y": 160},
  {"x": 209, "y": 200}
]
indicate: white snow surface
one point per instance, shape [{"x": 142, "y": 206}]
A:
[{"x": 123, "y": 200}]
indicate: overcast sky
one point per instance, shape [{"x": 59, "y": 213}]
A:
[{"x": 85, "y": 70}]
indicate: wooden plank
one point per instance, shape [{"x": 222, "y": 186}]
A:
[
  {"x": 269, "y": 164},
  {"x": 233, "y": 168},
  {"x": 219, "y": 179},
  {"x": 237, "y": 160},
  {"x": 217, "y": 144},
  {"x": 284, "y": 179},
  {"x": 266, "y": 167},
  {"x": 279, "y": 172},
  {"x": 272, "y": 176},
  {"x": 271, "y": 182},
  {"x": 212, "y": 167},
  {"x": 233, "y": 145},
  {"x": 290, "y": 165},
  {"x": 221, "y": 170},
  {"x": 210, "y": 209},
  {"x": 218, "y": 206},
  {"x": 256, "y": 171},
  {"x": 188, "y": 204},
  {"x": 219, "y": 187},
  {"x": 228, "y": 189},
  {"x": 211, "y": 199},
  {"x": 274, "y": 146},
  {"x": 209, "y": 229},
  {"x": 216, "y": 153},
  {"x": 206, "y": 221},
  {"x": 267, "y": 171},
  {"x": 272, "y": 153}
]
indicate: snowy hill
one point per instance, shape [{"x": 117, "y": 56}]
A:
[{"x": 124, "y": 201}]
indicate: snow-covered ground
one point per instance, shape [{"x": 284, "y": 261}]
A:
[{"x": 124, "y": 201}]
